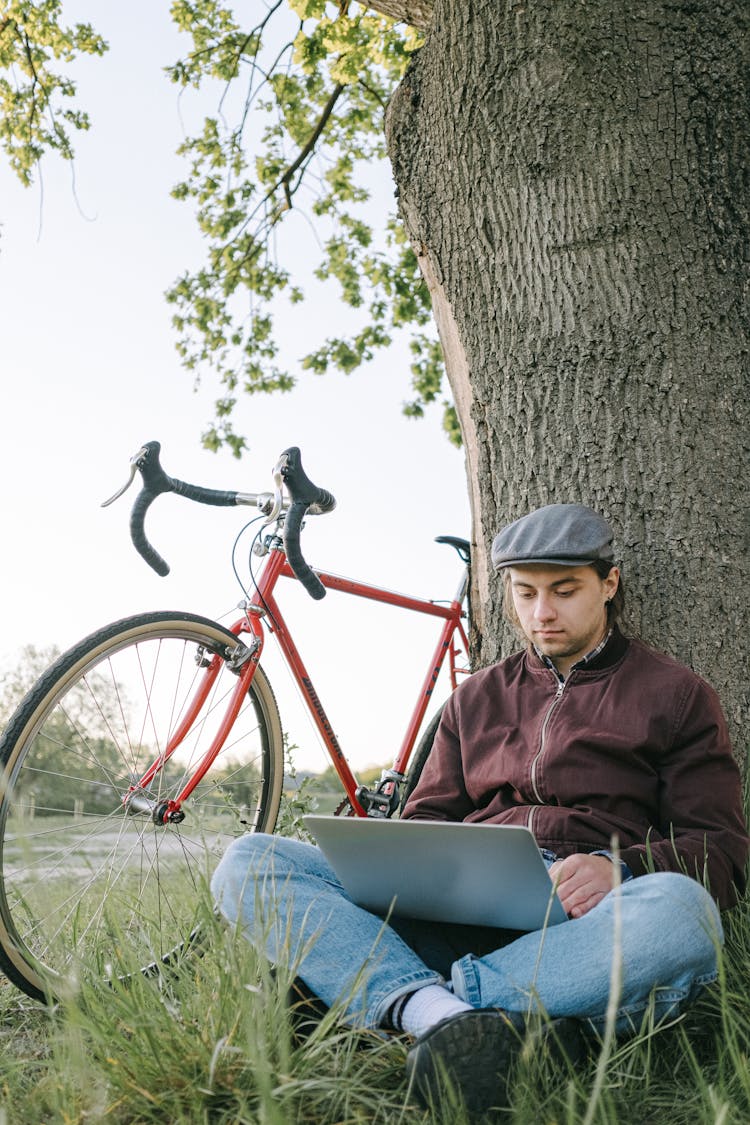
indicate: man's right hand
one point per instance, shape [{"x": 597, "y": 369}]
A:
[{"x": 582, "y": 881}]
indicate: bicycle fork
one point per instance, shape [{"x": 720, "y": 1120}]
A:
[{"x": 137, "y": 801}]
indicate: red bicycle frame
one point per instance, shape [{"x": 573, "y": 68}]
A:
[{"x": 264, "y": 609}]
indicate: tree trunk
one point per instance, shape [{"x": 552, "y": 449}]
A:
[
  {"x": 573, "y": 174},
  {"x": 415, "y": 12}
]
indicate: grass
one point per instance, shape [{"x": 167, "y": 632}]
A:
[{"x": 215, "y": 1043}]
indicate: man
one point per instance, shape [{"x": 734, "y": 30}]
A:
[{"x": 616, "y": 757}]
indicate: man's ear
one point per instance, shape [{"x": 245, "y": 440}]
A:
[{"x": 611, "y": 582}]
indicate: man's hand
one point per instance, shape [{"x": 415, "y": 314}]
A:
[{"x": 581, "y": 881}]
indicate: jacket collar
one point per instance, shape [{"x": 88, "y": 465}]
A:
[{"x": 604, "y": 656}]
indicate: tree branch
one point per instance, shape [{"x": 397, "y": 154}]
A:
[
  {"x": 285, "y": 180},
  {"x": 418, "y": 13},
  {"x": 310, "y": 145}
]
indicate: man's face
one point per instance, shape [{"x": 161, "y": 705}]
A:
[{"x": 562, "y": 609}]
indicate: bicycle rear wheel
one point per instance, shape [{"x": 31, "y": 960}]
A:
[
  {"x": 419, "y": 758},
  {"x": 80, "y": 876}
]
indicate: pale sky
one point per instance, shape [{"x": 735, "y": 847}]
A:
[{"x": 89, "y": 372}]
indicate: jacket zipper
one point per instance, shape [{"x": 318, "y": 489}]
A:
[{"x": 558, "y": 696}]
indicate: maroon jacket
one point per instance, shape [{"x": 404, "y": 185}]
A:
[{"x": 633, "y": 746}]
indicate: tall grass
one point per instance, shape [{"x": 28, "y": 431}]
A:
[{"x": 215, "y": 1042}]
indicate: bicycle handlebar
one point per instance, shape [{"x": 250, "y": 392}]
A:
[{"x": 305, "y": 496}]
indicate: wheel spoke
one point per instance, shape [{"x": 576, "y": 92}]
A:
[{"x": 79, "y": 871}]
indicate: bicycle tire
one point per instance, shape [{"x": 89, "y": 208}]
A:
[
  {"x": 420, "y": 756},
  {"x": 80, "y": 877}
]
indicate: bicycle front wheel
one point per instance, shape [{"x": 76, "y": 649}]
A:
[{"x": 81, "y": 873}]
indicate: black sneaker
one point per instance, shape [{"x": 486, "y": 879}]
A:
[
  {"x": 305, "y": 1008},
  {"x": 476, "y": 1052}
]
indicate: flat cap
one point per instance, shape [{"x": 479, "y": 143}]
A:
[{"x": 558, "y": 535}]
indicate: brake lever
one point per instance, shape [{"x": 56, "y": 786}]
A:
[
  {"x": 278, "y": 482},
  {"x": 134, "y": 464}
]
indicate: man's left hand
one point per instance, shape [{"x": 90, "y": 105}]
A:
[{"x": 581, "y": 881}]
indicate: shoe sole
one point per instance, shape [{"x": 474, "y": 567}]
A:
[{"x": 474, "y": 1052}]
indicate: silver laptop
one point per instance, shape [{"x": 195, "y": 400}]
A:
[{"x": 443, "y": 871}]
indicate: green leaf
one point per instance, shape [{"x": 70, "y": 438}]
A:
[
  {"x": 33, "y": 119},
  {"x": 298, "y": 126}
]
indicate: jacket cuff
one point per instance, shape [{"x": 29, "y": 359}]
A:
[{"x": 625, "y": 873}]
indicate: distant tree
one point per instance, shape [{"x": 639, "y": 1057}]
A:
[
  {"x": 75, "y": 749},
  {"x": 91, "y": 741},
  {"x": 20, "y": 674}
]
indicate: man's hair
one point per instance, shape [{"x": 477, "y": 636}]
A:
[{"x": 602, "y": 567}]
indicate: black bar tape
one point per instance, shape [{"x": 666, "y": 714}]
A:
[
  {"x": 295, "y": 558},
  {"x": 326, "y": 502},
  {"x": 138, "y": 533},
  {"x": 298, "y": 484},
  {"x": 215, "y": 496},
  {"x": 304, "y": 495},
  {"x": 156, "y": 481}
]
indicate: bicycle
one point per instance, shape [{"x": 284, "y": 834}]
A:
[{"x": 146, "y": 748}]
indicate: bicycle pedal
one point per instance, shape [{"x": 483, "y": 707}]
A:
[{"x": 375, "y": 803}]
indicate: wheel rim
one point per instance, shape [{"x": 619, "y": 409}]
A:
[{"x": 86, "y": 886}]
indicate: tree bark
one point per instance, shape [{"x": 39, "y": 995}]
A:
[
  {"x": 573, "y": 175},
  {"x": 414, "y": 12}
]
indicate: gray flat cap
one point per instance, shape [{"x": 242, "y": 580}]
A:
[{"x": 559, "y": 535}]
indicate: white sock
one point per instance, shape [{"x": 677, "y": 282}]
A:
[{"x": 428, "y": 1006}]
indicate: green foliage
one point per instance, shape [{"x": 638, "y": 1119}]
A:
[
  {"x": 20, "y": 674},
  {"x": 298, "y": 128},
  {"x": 300, "y": 124},
  {"x": 329, "y": 779},
  {"x": 297, "y": 800},
  {"x": 36, "y": 110}
]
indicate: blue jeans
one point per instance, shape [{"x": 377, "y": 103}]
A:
[{"x": 286, "y": 899}]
